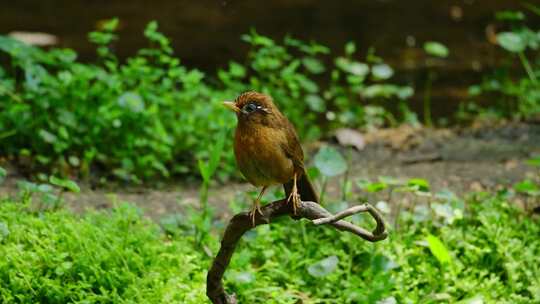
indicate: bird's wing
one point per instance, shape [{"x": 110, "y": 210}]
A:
[
  {"x": 292, "y": 146},
  {"x": 293, "y": 150}
]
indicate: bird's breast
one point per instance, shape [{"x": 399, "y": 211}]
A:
[{"x": 260, "y": 155}]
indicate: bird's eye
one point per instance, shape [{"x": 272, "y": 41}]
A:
[{"x": 250, "y": 107}]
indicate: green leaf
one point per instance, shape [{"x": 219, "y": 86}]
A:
[
  {"x": 308, "y": 85},
  {"x": 527, "y": 187},
  {"x": 330, "y": 162},
  {"x": 313, "y": 65},
  {"x": 237, "y": 70},
  {"x": 50, "y": 199},
  {"x": 111, "y": 25},
  {"x": 533, "y": 8},
  {"x": 44, "y": 188},
  {"x": 323, "y": 267},
  {"x": 64, "y": 183},
  {"x": 131, "y": 101},
  {"x": 358, "y": 69},
  {"x": 350, "y": 48},
  {"x": 436, "y": 49},
  {"x": 315, "y": 103},
  {"x": 438, "y": 249},
  {"x": 3, "y": 174},
  {"x": 27, "y": 186},
  {"x": 389, "y": 300},
  {"x": 74, "y": 161},
  {"x": 203, "y": 170},
  {"x": 375, "y": 187},
  {"x": 47, "y": 136},
  {"x": 215, "y": 152},
  {"x": 534, "y": 161},
  {"x": 242, "y": 277},
  {"x": 419, "y": 183},
  {"x": 477, "y": 299},
  {"x": 207, "y": 169},
  {"x": 63, "y": 268},
  {"x": 510, "y": 16},
  {"x": 389, "y": 180},
  {"x": 4, "y": 231},
  {"x": 511, "y": 42},
  {"x": 475, "y": 90},
  {"x": 405, "y": 92},
  {"x": 382, "y": 71},
  {"x": 171, "y": 222},
  {"x": 354, "y": 67}
]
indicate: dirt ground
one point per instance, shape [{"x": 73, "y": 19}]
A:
[{"x": 475, "y": 158}]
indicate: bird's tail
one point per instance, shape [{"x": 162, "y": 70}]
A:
[{"x": 305, "y": 188}]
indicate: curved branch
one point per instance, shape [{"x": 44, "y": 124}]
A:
[
  {"x": 241, "y": 222},
  {"x": 378, "y": 233}
]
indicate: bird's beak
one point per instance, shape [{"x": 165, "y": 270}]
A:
[{"x": 231, "y": 105}]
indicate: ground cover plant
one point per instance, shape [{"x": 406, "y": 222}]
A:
[
  {"x": 150, "y": 116},
  {"x": 484, "y": 253},
  {"x": 513, "y": 90}
]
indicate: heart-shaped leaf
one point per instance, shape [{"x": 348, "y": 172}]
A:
[
  {"x": 330, "y": 162},
  {"x": 323, "y": 267},
  {"x": 382, "y": 71},
  {"x": 511, "y": 42}
]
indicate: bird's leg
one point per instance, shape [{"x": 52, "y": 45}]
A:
[
  {"x": 257, "y": 206},
  {"x": 294, "y": 195}
]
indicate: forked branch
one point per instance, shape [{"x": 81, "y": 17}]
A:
[{"x": 241, "y": 222}]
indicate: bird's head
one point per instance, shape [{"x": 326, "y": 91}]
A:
[{"x": 253, "y": 107}]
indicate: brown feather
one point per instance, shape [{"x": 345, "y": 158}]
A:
[{"x": 267, "y": 148}]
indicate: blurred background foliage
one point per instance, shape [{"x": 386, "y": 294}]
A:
[{"x": 149, "y": 115}]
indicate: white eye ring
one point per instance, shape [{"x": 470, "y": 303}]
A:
[
  {"x": 265, "y": 110},
  {"x": 252, "y": 107}
]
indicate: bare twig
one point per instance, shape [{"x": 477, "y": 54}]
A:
[
  {"x": 241, "y": 222},
  {"x": 335, "y": 220}
]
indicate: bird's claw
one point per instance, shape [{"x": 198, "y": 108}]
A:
[
  {"x": 252, "y": 213},
  {"x": 295, "y": 197}
]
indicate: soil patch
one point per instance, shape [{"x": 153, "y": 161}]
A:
[{"x": 479, "y": 158}]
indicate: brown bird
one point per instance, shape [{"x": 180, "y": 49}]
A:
[{"x": 267, "y": 149}]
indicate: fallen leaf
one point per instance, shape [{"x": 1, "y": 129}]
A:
[
  {"x": 35, "y": 38},
  {"x": 350, "y": 137}
]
